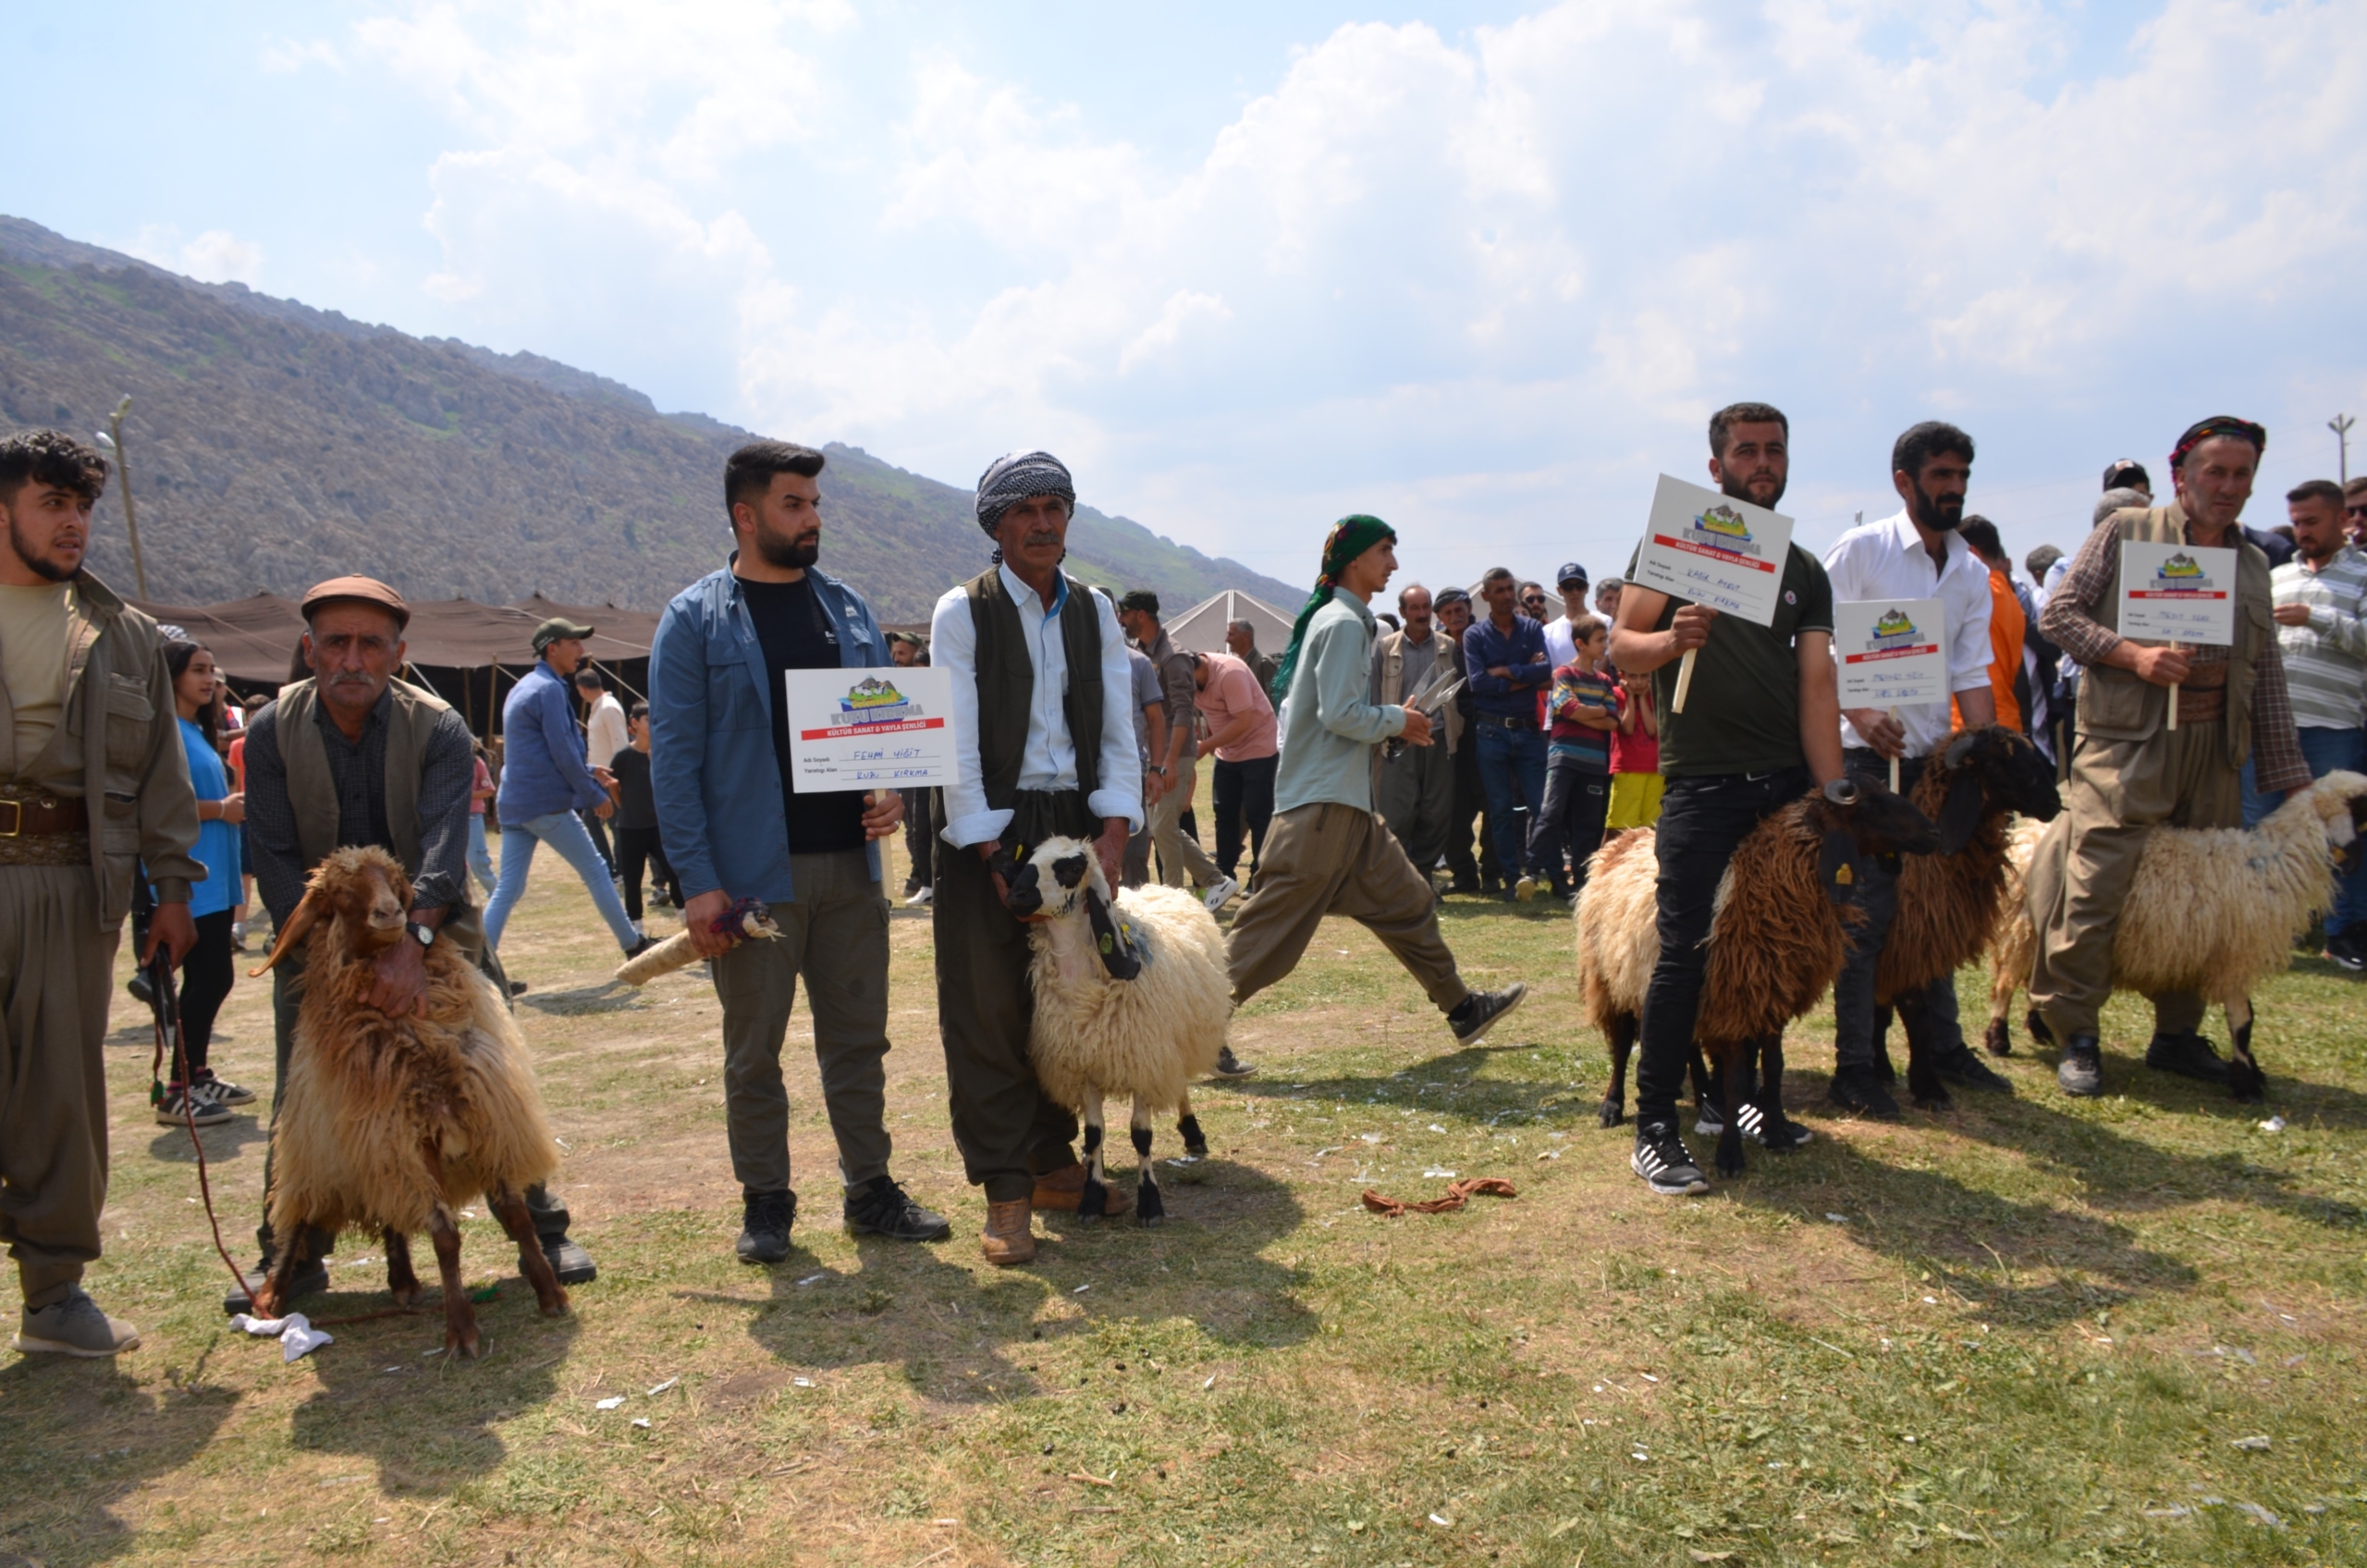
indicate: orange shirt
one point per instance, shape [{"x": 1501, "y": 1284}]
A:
[{"x": 2006, "y": 625}]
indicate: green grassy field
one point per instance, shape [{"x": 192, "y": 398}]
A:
[{"x": 2027, "y": 1331}]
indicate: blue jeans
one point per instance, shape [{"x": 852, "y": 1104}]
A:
[
  {"x": 563, "y": 831},
  {"x": 2329, "y": 750},
  {"x": 2257, "y": 804},
  {"x": 480, "y": 857},
  {"x": 1512, "y": 770}
]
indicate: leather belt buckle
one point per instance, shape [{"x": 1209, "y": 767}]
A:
[{"x": 16, "y": 808}]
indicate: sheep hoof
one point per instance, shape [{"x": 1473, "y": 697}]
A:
[
  {"x": 469, "y": 1346},
  {"x": 407, "y": 1295},
  {"x": 1933, "y": 1099},
  {"x": 2000, "y": 1038},
  {"x": 1148, "y": 1215},
  {"x": 1611, "y": 1114},
  {"x": 2037, "y": 1026}
]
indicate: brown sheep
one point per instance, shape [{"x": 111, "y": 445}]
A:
[{"x": 393, "y": 1123}]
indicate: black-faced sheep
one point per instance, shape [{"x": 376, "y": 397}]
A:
[
  {"x": 1131, "y": 997},
  {"x": 394, "y": 1123},
  {"x": 1775, "y": 943},
  {"x": 2212, "y": 911}
]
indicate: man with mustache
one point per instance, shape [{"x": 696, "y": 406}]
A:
[
  {"x": 1414, "y": 790},
  {"x": 1914, "y": 553},
  {"x": 1761, "y": 726},
  {"x": 86, "y": 719},
  {"x": 353, "y": 756},
  {"x": 728, "y": 796}
]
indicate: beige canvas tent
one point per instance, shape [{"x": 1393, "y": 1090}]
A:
[{"x": 1201, "y": 628}]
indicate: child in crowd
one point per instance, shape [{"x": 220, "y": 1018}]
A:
[
  {"x": 636, "y": 825},
  {"x": 1582, "y": 704},
  {"x": 481, "y": 789},
  {"x": 1635, "y": 758}
]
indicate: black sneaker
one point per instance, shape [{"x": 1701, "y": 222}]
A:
[
  {"x": 569, "y": 1260},
  {"x": 180, "y": 1106},
  {"x": 763, "y": 1234},
  {"x": 880, "y": 1208},
  {"x": 311, "y": 1279},
  {"x": 1663, "y": 1160},
  {"x": 641, "y": 947},
  {"x": 1861, "y": 1089},
  {"x": 1482, "y": 1011},
  {"x": 2081, "y": 1071},
  {"x": 1708, "y": 1119},
  {"x": 222, "y": 1091},
  {"x": 1232, "y": 1066},
  {"x": 2188, "y": 1055},
  {"x": 1960, "y": 1066},
  {"x": 2343, "y": 948},
  {"x": 1781, "y": 1135}
]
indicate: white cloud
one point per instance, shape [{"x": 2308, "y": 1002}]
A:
[
  {"x": 214, "y": 256},
  {"x": 284, "y": 56}
]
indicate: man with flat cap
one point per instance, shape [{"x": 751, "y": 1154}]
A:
[
  {"x": 1044, "y": 747},
  {"x": 2130, "y": 771},
  {"x": 354, "y": 756},
  {"x": 546, "y": 782}
]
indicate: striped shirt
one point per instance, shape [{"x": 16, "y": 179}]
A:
[{"x": 2325, "y": 661}]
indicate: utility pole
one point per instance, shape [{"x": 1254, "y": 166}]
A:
[
  {"x": 2340, "y": 424},
  {"x": 112, "y": 439}
]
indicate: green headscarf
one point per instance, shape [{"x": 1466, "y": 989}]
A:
[{"x": 1350, "y": 537}]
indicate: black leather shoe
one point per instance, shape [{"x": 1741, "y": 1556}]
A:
[
  {"x": 763, "y": 1234},
  {"x": 880, "y": 1208},
  {"x": 1861, "y": 1089},
  {"x": 1232, "y": 1066},
  {"x": 2188, "y": 1055},
  {"x": 1482, "y": 1011},
  {"x": 311, "y": 1279},
  {"x": 569, "y": 1260},
  {"x": 1960, "y": 1066},
  {"x": 2081, "y": 1071}
]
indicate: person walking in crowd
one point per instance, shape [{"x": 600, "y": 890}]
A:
[
  {"x": 738, "y": 826},
  {"x": 1242, "y": 734},
  {"x": 86, "y": 714},
  {"x": 1182, "y": 862},
  {"x": 1466, "y": 873},
  {"x": 2009, "y": 689},
  {"x": 208, "y": 971},
  {"x": 352, "y": 756},
  {"x": 546, "y": 782},
  {"x": 1045, "y": 746},
  {"x": 1761, "y": 727},
  {"x": 481, "y": 793},
  {"x": 1241, "y": 641},
  {"x": 1329, "y": 852},
  {"x": 1505, "y": 660},
  {"x": 2131, "y": 771},
  {"x": 1414, "y": 786},
  {"x": 1561, "y": 640},
  {"x": 2322, "y": 635},
  {"x": 604, "y": 737},
  {"x": 1636, "y": 781},
  {"x": 641, "y": 849},
  {"x": 1583, "y": 710},
  {"x": 1149, "y": 704},
  {"x": 1922, "y": 551}
]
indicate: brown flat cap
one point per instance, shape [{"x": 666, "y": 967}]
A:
[{"x": 359, "y": 590}]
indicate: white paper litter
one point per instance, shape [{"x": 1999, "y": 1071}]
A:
[
  {"x": 2256, "y": 1443},
  {"x": 1442, "y": 1521},
  {"x": 641, "y": 1422},
  {"x": 1436, "y": 1128},
  {"x": 1837, "y": 1219},
  {"x": 814, "y": 1279},
  {"x": 2262, "y": 1514},
  {"x": 1438, "y": 1171},
  {"x": 295, "y": 1333},
  {"x": 802, "y": 1382},
  {"x": 2274, "y": 1124},
  {"x": 1080, "y": 1290},
  {"x": 662, "y": 1387},
  {"x": 1210, "y": 1383},
  {"x": 609, "y": 1403},
  {"x": 1369, "y": 1137}
]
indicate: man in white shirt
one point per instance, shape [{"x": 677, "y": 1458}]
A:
[
  {"x": 1045, "y": 746},
  {"x": 605, "y": 734},
  {"x": 1561, "y": 648},
  {"x": 1914, "y": 553}
]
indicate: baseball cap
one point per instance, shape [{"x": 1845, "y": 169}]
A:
[
  {"x": 1571, "y": 572},
  {"x": 356, "y": 590},
  {"x": 556, "y": 628},
  {"x": 2127, "y": 473}
]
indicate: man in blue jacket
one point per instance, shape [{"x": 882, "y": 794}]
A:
[
  {"x": 545, "y": 781},
  {"x": 1505, "y": 657},
  {"x": 737, "y": 826}
]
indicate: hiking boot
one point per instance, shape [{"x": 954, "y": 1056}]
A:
[
  {"x": 222, "y": 1090},
  {"x": 1663, "y": 1160},
  {"x": 74, "y": 1326},
  {"x": 1009, "y": 1235},
  {"x": 763, "y": 1234},
  {"x": 880, "y": 1208},
  {"x": 1960, "y": 1066},
  {"x": 1063, "y": 1191},
  {"x": 1232, "y": 1066},
  {"x": 1861, "y": 1089},
  {"x": 180, "y": 1106},
  {"x": 2081, "y": 1071},
  {"x": 569, "y": 1260},
  {"x": 311, "y": 1279},
  {"x": 1482, "y": 1011},
  {"x": 2188, "y": 1055}
]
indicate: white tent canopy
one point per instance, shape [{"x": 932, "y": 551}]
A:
[{"x": 1201, "y": 628}]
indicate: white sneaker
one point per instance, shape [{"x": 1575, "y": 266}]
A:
[
  {"x": 1221, "y": 894},
  {"x": 922, "y": 899}
]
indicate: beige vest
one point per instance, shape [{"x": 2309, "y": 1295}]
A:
[
  {"x": 1392, "y": 679},
  {"x": 2115, "y": 704}
]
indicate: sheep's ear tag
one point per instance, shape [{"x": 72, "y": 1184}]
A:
[
  {"x": 1837, "y": 865},
  {"x": 1119, "y": 954}
]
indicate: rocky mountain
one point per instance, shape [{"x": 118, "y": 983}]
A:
[{"x": 273, "y": 445}]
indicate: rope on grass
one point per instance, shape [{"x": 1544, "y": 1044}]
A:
[{"x": 1457, "y": 1195}]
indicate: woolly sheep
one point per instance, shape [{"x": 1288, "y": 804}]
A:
[
  {"x": 1776, "y": 943},
  {"x": 1095, "y": 1034},
  {"x": 393, "y": 1123},
  {"x": 2213, "y": 911}
]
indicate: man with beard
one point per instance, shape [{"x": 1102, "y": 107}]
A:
[
  {"x": 1760, "y": 727},
  {"x": 1915, "y": 553},
  {"x": 737, "y": 824},
  {"x": 86, "y": 718}
]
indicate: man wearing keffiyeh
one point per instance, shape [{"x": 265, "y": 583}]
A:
[
  {"x": 1328, "y": 851},
  {"x": 2130, "y": 771}
]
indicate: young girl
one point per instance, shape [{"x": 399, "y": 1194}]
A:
[
  {"x": 1636, "y": 758},
  {"x": 207, "y": 972}
]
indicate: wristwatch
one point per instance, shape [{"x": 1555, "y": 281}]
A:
[{"x": 423, "y": 935}]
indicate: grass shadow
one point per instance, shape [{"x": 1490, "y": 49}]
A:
[
  {"x": 112, "y": 1436},
  {"x": 1443, "y": 1085},
  {"x": 223, "y": 1140},
  {"x": 606, "y": 996}
]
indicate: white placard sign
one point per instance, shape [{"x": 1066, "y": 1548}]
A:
[
  {"x": 2178, "y": 593},
  {"x": 1893, "y": 652},
  {"x": 1714, "y": 550},
  {"x": 884, "y": 729}
]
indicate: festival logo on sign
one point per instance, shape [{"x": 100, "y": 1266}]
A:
[
  {"x": 1722, "y": 528},
  {"x": 2181, "y": 574},
  {"x": 1893, "y": 630},
  {"x": 875, "y": 700}
]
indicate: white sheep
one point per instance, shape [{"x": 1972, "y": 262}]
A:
[
  {"x": 2213, "y": 911},
  {"x": 1131, "y": 998}
]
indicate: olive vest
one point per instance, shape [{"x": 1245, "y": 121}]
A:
[
  {"x": 2115, "y": 705},
  {"x": 311, "y": 789},
  {"x": 1007, "y": 683}
]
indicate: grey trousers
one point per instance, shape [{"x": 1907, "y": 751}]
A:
[
  {"x": 835, "y": 934},
  {"x": 1415, "y": 794},
  {"x": 55, "y": 970}
]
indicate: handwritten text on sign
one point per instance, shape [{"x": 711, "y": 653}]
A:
[
  {"x": 1893, "y": 652},
  {"x": 2178, "y": 593},
  {"x": 870, "y": 728},
  {"x": 1714, "y": 550}
]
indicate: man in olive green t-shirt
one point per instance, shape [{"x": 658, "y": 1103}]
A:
[{"x": 1761, "y": 726}]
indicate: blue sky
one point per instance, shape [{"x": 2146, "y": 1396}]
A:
[{"x": 1482, "y": 269}]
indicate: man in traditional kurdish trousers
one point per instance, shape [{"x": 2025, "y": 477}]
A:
[
  {"x": 2130, "y": 771},
  {"x": 1413, "y": 790}
]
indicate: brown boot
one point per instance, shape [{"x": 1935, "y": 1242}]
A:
[
  {"x": 1009, "y": 1235},
  {"x": 1064, "y": 1189}
]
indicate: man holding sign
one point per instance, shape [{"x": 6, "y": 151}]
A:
[
  {"x": 737, "y": 826},
  {"x": 1760, "y": 726},
  {"x": 2164, "y": 730},
  {"x": 1911, "y": 596}
]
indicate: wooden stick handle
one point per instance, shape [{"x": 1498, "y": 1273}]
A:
[
  {"x": 2173, "y": 710},
  {"x": 1893, "y": 763},
  {"x": 1683, "y": 680}
]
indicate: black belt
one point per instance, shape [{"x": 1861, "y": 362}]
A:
[{"x": 1505, "y": 721}]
